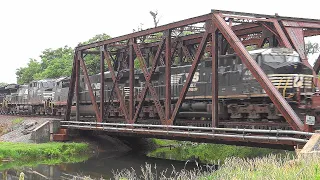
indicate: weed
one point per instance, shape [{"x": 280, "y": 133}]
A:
[{"x": 17, "y": 121}]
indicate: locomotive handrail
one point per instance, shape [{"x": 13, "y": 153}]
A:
[{"x": 196, "y": 128}]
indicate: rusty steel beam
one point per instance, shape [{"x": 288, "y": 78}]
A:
[
  {"x": 77, "y": 65},
  {"x": 131, "y": 81},
  {"x": 214, "y": 77},
  {"x": 281, "y": 104},
  {"x": 192, "y": 70},
  {"x": 186, "y": 52},
  {"x": 101, "y": 84},
  {"x": 311, "y": 32},
  {"x": 297, "y": 38},
  {"x": 266, "y": 16},
  {"x": 177, "y": 24},
  {"x": 269, "y": 28},
  {"x": 116, "y": 86},
  {"x": 283, "y": 38},
  {"x": 87, "y": 80},
  {"x": 167, "y": 104},
  {"x": 316, "y": 66},
  {"x": 148, "y": 83},
  {"x": 71, "y": 87},
  {"x": 297, "y": 24}
]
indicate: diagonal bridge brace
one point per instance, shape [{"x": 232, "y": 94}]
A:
[
  {"x": 149, "y": 86},
  {"x": 116, "y": 86},
  {"x": 281, "y": 104}
]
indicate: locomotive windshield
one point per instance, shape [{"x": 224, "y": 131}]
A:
[{"x": 280, "y": 58}]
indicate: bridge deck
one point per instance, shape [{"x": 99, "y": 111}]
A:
[{"x": 257, "y": 137}]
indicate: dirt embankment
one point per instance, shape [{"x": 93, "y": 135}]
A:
[{"x": 18, "y": 129}]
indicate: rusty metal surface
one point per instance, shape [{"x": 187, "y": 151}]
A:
[
  {"x": 214, "y": 77},
  {"x": 148, "y": 31},
  {"x": 88, "y": 83},
  {"x": 149, "y": 86},
  {"x": 131, "y": 82},
  {"x": 71, "y": 87},
  {"x": 260, "y": 76},
  {"x": 194, "y": 66},
  {"x": 268, "y": 137},
  {"x": 316, "y": 66},
  {"x": 167, "y": 104},
  {"x": 77, "y": 88},
  {"x": 237, "y": 29},
  {"x": 116, "y": 86},
  {"x": 101, "y": 84}
]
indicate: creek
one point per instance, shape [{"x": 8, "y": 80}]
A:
[
  {"x": 101, "y": 165},
  {"x": 112, "y": 157}
]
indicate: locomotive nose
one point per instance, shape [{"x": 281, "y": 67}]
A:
[{"x": 288, "y": 68}]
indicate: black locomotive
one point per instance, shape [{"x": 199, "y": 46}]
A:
[{"x": 242, "y": 101}]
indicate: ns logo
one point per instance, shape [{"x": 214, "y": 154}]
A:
[{"x": 176, "y": 80}]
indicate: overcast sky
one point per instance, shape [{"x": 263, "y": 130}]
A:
[{"x": 27, "y": 27}]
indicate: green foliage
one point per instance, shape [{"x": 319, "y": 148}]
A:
[
  {"x": 47, "y": 161},
  {"x": 2, "y": 84},
  {"x": 93, "y": 61},
  {"x": 27, "y": 74},
  {"x": 206, "y": 153},
  {"x": 56, "y": 63},
  {"x": 96, "y": 38},
  {"x": 269, "y": 167},
  {"x": 311, "y": 48},
  {"x": 27, "y": 152},
  {"x": 17, "y": 121},
  {"x": 161, "y": 142}
]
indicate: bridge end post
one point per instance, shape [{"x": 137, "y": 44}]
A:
[{"x": 312, "y": 147}]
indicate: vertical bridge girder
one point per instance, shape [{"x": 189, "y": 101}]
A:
[{"x": 185, "y": 40}]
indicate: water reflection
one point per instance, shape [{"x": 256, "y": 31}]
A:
[{"x": 99, "y": 166}]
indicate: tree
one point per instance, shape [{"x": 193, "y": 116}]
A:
[
  {"x": 154, "y": 16},
  {"x": 55, "y": 63},
  {"x": 27, "y": 74},
  {"x": 93, "y": 61},
  {"x": 311, "y": 48},
  {"x": 3, "y": 84}
]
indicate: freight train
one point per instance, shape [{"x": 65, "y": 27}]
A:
[{"x": 242, "y": 101}]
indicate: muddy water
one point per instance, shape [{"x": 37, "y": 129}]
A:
[{"x": 102, "y": 165}]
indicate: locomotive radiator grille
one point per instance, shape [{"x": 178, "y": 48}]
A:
[{"x": 281, "y": 81}]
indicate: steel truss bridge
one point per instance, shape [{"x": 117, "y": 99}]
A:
[{"x": 214, "y": 33}]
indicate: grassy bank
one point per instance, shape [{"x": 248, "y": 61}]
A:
[
  {"x": 206, "y": 153},
  {"x": 268, "y": 167},
  {"x": 29, "y": 152}
]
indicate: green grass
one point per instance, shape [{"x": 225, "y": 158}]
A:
[
  {"x": 269, "y": 167},
  {"x": 207, "y": 153},
  {"x": 265, "y": 168},
  {"x": 17, "y": 121},
  {"x": 161, "y": 142},
  {"x": 51, "y": 161},
  {"x": 27, "y": 152}
]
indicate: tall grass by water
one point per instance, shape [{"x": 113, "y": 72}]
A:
[
  {"x": 265, "y": 168},
  {"x": 24, "y": 152}
]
